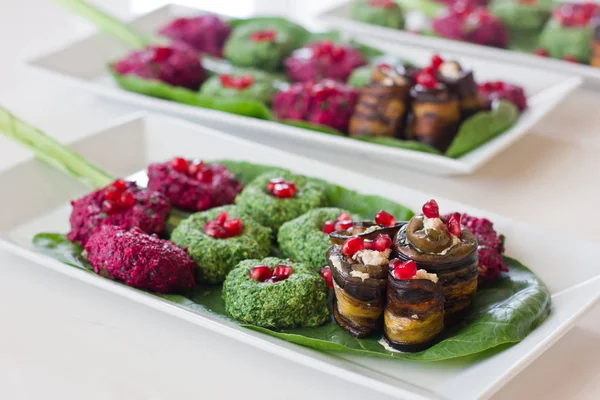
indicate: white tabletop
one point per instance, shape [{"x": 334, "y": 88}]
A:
[{"x": 60, "y": 338}]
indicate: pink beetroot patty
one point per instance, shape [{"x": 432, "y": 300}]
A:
[
  {"x": 327, "y": 103},
  {"x": 205, "y": 33},
  {"x": 140, "y": 260},
  {"x": 194, "y": 186},
  {"x": 321, "y": 60},
  {"x": 176, "y": 65},
  {"x": 90, "y": 212}
]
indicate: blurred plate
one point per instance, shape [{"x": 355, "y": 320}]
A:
[{"x": 84, "y": 64}]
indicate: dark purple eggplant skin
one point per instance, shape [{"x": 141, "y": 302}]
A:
[
  {"x": 458, "y": 276},
  {"x": 416, "y": 307},
  {"x": 355, "y": 297}
]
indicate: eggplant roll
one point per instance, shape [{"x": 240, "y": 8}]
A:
[
  {"x": 380, "y": 111},
  {"x": 435, "y": 116},
  {"x": 462, "y": 84},
  {"x": 359, "y": 293},
  {"x": 595, "y": 43},
  {"x": 382, "y": 105},
  {"x": 414, "y": 313},
  {"x": 456, "y": 270}
]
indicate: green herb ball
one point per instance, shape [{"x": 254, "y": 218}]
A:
[
  {"x": 518, "y": 16},
  {"x": 390, "y": 16},
  {"x": 262, "y": 89},
  {"x": 302, "y": 240},
  {"x": 272, "y": 211},
  {"x": 562, "y": 41},
  {"x": 241, "y": 50},
  {"x": 214, "y": 258},
  {"x": 298, "y": 301}
]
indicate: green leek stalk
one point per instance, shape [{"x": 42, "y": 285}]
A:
[
  {"x": 64, "y": 158},
  {"x": 52, "y": 152},
  {"x": 108, "y": 23}
]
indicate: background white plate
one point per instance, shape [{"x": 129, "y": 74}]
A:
[
  {"x": 84, "y": 64},
  {"x": 339, "y": 17},
  {"x": 39, "y": 202}
]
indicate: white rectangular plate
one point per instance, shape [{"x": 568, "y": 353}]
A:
[
  {"x": 42, "y": 204},
  {"x": 339, "y": 17},
  {"x": 84, "y": 64}
]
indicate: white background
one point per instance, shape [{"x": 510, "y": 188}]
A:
[{"x": 60, "y": 339}]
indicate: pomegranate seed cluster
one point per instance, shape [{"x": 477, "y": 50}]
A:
[
  {"x": 263, "y": 273},
  {"x": 281, "y": 188},
  {"x": 224, "y": 227}
]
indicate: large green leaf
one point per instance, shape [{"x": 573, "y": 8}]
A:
[
  {"x": 482, "y": 127},
  {"x": 503, "y": 313},
  {"x": 403, "y": 144},
  {"x": 312, "y": 127},
  {"x": 163, "y": 90}
]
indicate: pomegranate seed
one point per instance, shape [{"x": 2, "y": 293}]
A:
[
  {"x": 498, "y": 85},
  {"x": 382, "y": 243},
  {"x": 161, "y": 54},
  {"x": 338, "y": 53},
  {"x": 221, "y": 218},
  {"x": 119, "y": 185},
  {"x": 282, "y": 272},
  {"x": 436, "y": 61},
  {"x": 541, "y": 52},
  {"x": 112, "y": 194},
  {"x": 260, "y": 273},
  {"x": 369, "y": 245},
  {"x": 327, "y": 276},
  {"x": 263, "y": 36},
  {"x": 429, "y": 70},
  {"x": 431, "y": 209},
  {"x": 215, "y": 231},
  {"x": 384, "y": 218},
  {"x": 344, "y": 217},
  {"x": 196, "y": 167},
  {"x": 126, "y": 200},
  {"x": 384, "y": 66},
  {"x": 284, "y": 190},
  {"x": 571, "y": 59},
  {"x": 110, "y": 207},
  {"x": 453, "y": 224},
  {"x": 245, "y": 81},
  {"x": 205, "y": 176},
  {"x": 273, "y": 182},
  {"x": 180, "y": 165},
  {"x": 426, "y": 80},
  {"x": 226, "y": 80},
  {"x": 405, "y": 270},
  {"x": 233, "y": 227},
  {"x": 343, "y": 225},
  {"x": 395, "y": 263},
  {"x": 353, "y": 245},
  {"x": 382, "y": 3},
  {"x": 273, "y": 279},
  {"x": 328, "y": 227}
]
